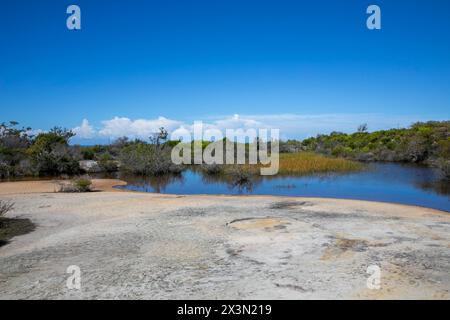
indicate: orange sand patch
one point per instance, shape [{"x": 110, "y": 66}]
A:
[{"x": 50, "y": 186}]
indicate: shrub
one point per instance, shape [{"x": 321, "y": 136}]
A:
[
  {"x": 5, "y": 170},
  {"x": 59, "y": 160},
  {"x": 147, "y": 159},
  {"x": 107, "y": 163},
  {"x": 239, "y": 175},
  {"x": 212, "y": 169},
  {"x": 83, "y": 184},
  {"x": 52, "y": 155},
  {"x": 13, "y": 145},
  {"x": 76, "y": 185},
  {"x": 88, "y": 154}
]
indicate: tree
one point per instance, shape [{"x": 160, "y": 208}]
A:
[
  {"x": 13, "y": 145},
  {"x": 159, "y": 137},
  {"x": 362, "y": 128},
  {"x": 51, "y": 153},
  {"x": 56, "y": 136}
]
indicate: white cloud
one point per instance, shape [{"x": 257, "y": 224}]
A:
[
  {"x": 85, "y": 130},
  {"x": 181, "y": 133},
  {"x": 141, "y": 128},
  {"x": 238, "y": 122},
  {"x": 290, "y": 125},
  {"x": 34, "y": 132}
]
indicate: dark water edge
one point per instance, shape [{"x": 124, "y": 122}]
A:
[{"x": 384, "y": 182}]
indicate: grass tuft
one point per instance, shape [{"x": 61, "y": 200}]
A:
[{"x": 303, "y": 163}]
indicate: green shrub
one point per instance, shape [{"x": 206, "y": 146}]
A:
[
  {"x": 107, "y": 163},
  {"x": 76, "y": 185},
  {"x": 6, "y": 170},
  {"x": 88, "y": 154},
  {"x": 13, "y": 145},
  {"x": 147, "y": 159},
  {"x": 52, "y": 155},
  {"x": 83, "y": 184}
]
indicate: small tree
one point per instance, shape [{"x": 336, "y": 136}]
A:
[
  {"x": 159, "y": 137},
  {"x": 363, "y": 128},
  {"x": 47, "y": 141},
  {"x": 13, "y": 145},
  {"x": 52, "y": 154}
]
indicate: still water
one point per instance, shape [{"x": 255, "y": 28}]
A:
[{"x": 406, "y": 184}]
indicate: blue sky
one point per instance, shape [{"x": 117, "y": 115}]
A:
[{"x": 304, "y": 66}]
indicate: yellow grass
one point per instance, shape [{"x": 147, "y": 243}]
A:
[
  {"x": 310, "y": 163},
  {"x": 301, "y": 163}
]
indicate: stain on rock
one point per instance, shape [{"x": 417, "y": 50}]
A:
[
  {"x": 290, "y": 204},
  {"x": 267, "y": 224},
  {"x": 293, "y": 287},
  {"x": 343, "y": 246}
]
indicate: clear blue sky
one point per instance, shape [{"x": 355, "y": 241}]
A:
[{"x": 193, "y": 59}]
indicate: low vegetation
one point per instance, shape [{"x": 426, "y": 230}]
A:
[
  {"x": 240, "y": 175},
  {"x": 76, "y": 185},
  {"x": 302, "y": 163},
  {"x": 142, "y": 158},
  {"x": 107, "y": 163}
]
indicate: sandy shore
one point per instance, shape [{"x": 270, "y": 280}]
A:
[
  {"x": 52, "y": 186},
  {"x": 148, "y": 246}
]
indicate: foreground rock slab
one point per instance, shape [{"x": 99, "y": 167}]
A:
[{"x": 145, "y": 246}]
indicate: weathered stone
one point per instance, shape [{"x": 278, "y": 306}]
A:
[{"x": 90, "y": 166}]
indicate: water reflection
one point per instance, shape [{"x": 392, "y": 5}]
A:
[
  {"x": 407, "y": 184},
  {"x": 244, "y": 186},
  {"x": 440, "y": 187},
  {"x": 156, "y": 184}
]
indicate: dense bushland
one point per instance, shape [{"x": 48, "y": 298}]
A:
[
  {"x": 427, "y": 142},
  {"x": 24, "y": 154}
]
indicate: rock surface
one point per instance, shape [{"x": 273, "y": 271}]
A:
[
  {"x": 145, "y": 246},
  {"x": 90, "y": 166}
]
